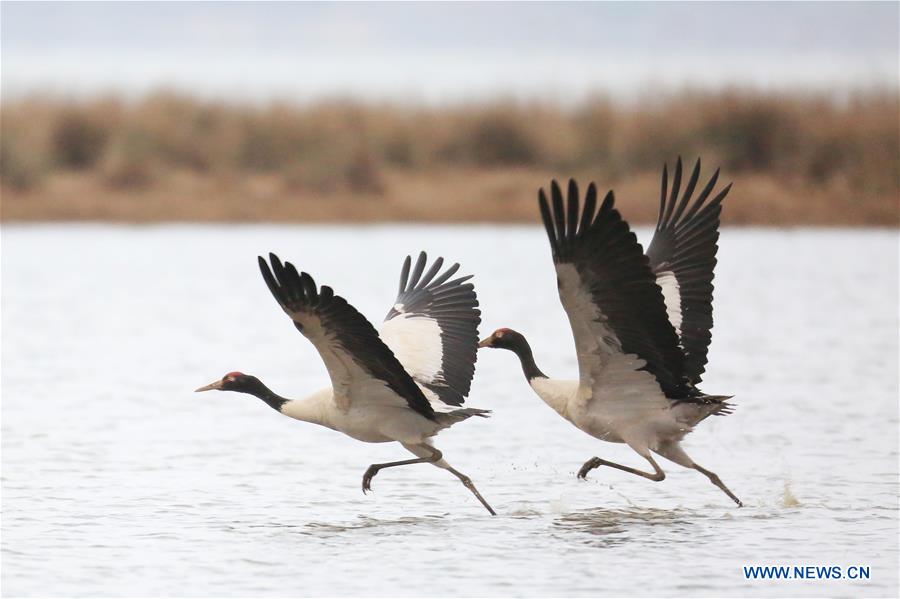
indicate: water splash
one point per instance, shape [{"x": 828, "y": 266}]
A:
[{"x": 788, "y": 499}]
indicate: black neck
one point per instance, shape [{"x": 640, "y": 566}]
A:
[
  {"x": 521, "y": 348},
  {"x": 258, "y": 389}
]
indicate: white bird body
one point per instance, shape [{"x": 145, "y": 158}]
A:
[
  {"x": 375, "y": 419},
  {"x": 611, "y": 421},
  {"x": 404, "y": 384},
  {"x": 641, "y": 323},
  {"x": 556, "y": 393}
]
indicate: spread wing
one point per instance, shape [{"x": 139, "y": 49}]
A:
[
  {"x": 683, "y": 256},
  {"x": 627, "y": 349},
  {"x": 358, "y": 362},
  {"x": 433, "y": 328}
]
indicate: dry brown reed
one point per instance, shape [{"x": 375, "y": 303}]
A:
[{"x": 796, "y": 159}]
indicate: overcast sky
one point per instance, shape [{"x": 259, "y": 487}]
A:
[{"x": 443, "y": 52}]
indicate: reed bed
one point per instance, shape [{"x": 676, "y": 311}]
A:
[{"x": 796, "y": 159}]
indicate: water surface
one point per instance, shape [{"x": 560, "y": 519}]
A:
[{"x": 118, "y": 480}]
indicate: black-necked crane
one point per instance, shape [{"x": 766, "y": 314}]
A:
[
  {"x": 405, "y": 383},
  {"x": 641, "y": 322}
]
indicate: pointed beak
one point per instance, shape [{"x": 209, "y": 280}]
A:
[
  {"x": 486, "y": 342},
  {"x": 210, "y": 387}
]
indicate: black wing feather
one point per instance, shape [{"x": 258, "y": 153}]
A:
[
  {"x": 616, "y": 273},
  {"x": 454, "y": 305},
  {"x": 685, "y": 243},
  {"x": 297, "y": 292}
]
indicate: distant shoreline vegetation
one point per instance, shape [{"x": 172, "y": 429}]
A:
[{"x": 796, "y": 159}]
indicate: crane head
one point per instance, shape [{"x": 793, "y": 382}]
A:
[
  {"x": 233, "y": 381},
  {"x": 502, "y": 339}
]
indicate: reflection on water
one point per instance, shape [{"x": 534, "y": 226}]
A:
[
  {"x": 120, "y": 480},
  {"x": 610, "y": 527},
  {"x": 383, "y": 525}
]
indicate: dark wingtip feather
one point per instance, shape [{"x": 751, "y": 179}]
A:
[
  {"x": 277, "y": 268},
  {"x": 673, "y": 194},
  {"x": 269, "y": 278},
  {"x": 404, "y": 274},
  {"x": 547, "y": 217},
  {"x": 292, "y": 282},
  {"x": 559, "y": 217},
  {"x": 608, "y": 202},
  {"x": 718, "y": 199},
  {"x": 417, "y": 271},
  {"x": 461, "y": 280},
  {"x": 435, "y": 267},
  {"x": 308, "y": 285},
  {"x": 688, "y": 192},
  {"x": 590, "y": 205},
  {"x": 444, "y": 276},
  {"x": 701, "y": 199},
  {"x": 572, "y": 216},
  {"x": 663, "y": 192}
]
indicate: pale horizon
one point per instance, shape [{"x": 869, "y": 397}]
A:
[{"x": 438, "y": 53}]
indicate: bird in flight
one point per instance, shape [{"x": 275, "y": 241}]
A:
[
  {"x": 641, "y": 322},
  {"x": 404, "y": 383}
]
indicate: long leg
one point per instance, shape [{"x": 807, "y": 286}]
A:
[
  {"x": 714, "y": 479},
  {"x": 596, "y": 462},
  {"x": 674, "y": 452},
  {"x": 422, "y": 448},
  {"x": 435, "y": 456},
  {"x": 471, "y": 486}
]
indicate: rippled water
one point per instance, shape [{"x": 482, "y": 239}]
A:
[{"x": 118, "y": 480}]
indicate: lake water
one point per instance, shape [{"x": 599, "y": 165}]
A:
[{"x": 118, "y": 480}]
